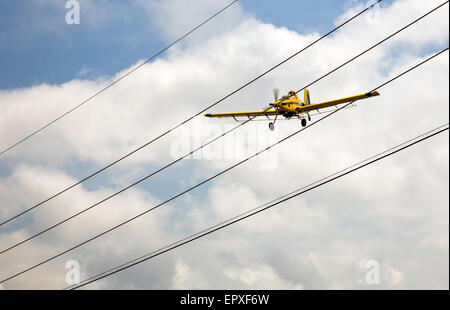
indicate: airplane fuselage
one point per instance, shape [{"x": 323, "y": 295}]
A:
[{"x": 289, "y": 107}]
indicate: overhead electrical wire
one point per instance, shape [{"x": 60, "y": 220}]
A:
[
  {"x": 384, "y": 40},
  {"x": 264, "y": 207},
  {"x": 117, "y": 80},
  {"x": 185, "y": 121},
  {"x": 202, "y": 146},
  {"x": 220, "y": 173}
]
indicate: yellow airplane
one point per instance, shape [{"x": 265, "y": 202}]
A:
[{"x": 291, "y": 106}]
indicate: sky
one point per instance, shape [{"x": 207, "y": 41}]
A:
[
  {"x": 39, "y": 47},
  {"x": 394, "y": 212}
]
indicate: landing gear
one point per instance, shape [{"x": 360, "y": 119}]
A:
[
  {"x": 303, "y": 122},
  {"x": 272, "y": 125}
]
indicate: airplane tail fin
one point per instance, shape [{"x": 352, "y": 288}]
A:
[{"x": 306, "y": 99}]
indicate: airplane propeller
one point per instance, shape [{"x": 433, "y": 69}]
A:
[{"x": 276, "y": 92}]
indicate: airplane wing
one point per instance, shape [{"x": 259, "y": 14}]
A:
[
  {"x": 326, "y": 104},
  {"x": 248, "y": 114}
]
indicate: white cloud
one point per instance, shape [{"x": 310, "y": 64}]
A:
[
  {"x": 395, "y": 211},
  {"x": 395, "y": 277},
  {"x": 258, "y": 277},
  {"x": 174, "y": 18}
]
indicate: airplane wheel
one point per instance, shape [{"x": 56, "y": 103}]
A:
[
  {"x": 309, "y": 118},
  {"x": 271, "y": 126},
  {"x": 303, "y": 122}
]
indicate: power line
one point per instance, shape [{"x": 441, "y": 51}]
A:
[
  {"x": 218, "y": 174},
  {"x": 261, "y": 208},
  {"x": 380, "y": 42},
  {"x": 202, "y": 146},
  {"x": 116, "y": 81},
  {"x": 185, "y": 121}
]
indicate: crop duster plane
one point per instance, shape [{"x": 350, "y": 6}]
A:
[{"x": 291, "y": 106}]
